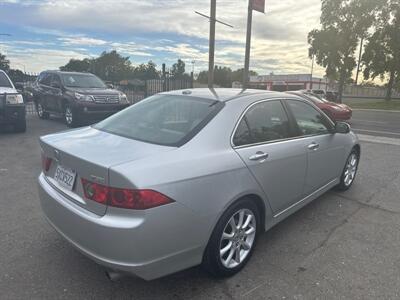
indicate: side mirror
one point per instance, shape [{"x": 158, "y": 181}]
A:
[
  {"x": 110, "y": 86},
  {"x": 342, "y": 127}
]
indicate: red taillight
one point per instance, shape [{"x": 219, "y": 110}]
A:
[
  {"x": 46, "y": 163},
  {"x": 124, "y": 198},
  {"x": 95, "y": 192}
]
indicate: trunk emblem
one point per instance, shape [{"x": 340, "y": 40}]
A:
[{"x": 57, "y": 156}]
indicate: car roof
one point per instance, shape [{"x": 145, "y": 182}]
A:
[
  {"x": 64, "y": 72},
  {"x": 224, "y": 94}
]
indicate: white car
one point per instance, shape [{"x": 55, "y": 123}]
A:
[{"x": 12, "y": 107}]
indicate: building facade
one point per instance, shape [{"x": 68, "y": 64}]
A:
[{"x": 283, "y": 83}]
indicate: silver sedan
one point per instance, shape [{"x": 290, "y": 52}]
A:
[{"x": 191, "y": 177}]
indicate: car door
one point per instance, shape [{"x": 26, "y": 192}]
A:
[
  {"x": 325, "y": 150},
  {"x": 55, "y": 94},
  {"x": 43, "y": 89},
  {"x": 264, "y": 141}
]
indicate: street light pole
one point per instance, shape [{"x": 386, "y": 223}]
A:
[
  {"x": 213, "y": 21},
  {"x": 359, "y": 60},
  {"x": 312, "y": 71},
  {"x": 213, "y": 14},
  {"x": 248, "y": 46}
]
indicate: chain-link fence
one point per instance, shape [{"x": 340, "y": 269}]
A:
[{"x": 30, "y": 108}]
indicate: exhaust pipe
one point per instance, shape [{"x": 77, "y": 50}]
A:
[{"x": 114, "y": 275}]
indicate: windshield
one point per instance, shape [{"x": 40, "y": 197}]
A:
[
  {"x": 4, "y": 81},
  {"x": 162, "y": 119},
  {"x": 82, "y": 81}
]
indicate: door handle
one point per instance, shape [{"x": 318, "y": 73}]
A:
[
  {"x": 314, "y": 146},
  {"x": 259, "y": 156}
]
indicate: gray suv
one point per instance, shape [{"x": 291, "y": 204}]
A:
[{"x": 78, "y": 97}]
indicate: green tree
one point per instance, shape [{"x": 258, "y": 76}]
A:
[
  {"x": 77, "y": 65},
  {"x": 178, "y": 69},
  {"x": 343, "y": 22},
  {"x": 382, "y": 53},
  {"x": 113, "y": 67},
  {"x": 146, "y": 71},
  {"x": 4, "y": 63},
  {"x": 238, "y": 75},
  {"x": 224, "y": 76},
  {"x": 16, "y": 75},
  {"x": 203, "y": 77}
]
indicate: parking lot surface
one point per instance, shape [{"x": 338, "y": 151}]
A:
[
  {"x": 376, "y": 123},
  {"x": 341, "y": 246}
]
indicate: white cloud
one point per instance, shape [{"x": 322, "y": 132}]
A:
[
  {"x": 36, "y": 60},
  {"x": 83, "y": 41},
  {"x": 279, "y": 37}
]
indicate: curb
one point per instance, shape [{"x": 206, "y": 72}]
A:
[
  {"x": 378, "y": 140},
  {"x": 376, "y": 110}
]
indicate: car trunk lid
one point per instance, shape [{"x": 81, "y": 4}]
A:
[{"x": 88, "y": 153}]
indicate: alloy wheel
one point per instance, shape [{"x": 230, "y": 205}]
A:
[
  {"x": 68, "y": 116},
  {"x": 351, "y": 169},
  {"x": 238, "y": 238},
  {"x": 40, "y": 110}
]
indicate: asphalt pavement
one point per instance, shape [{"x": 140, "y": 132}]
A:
[
  {"x": 376, "y": 123},
  {"x": 341, "y": 246}
]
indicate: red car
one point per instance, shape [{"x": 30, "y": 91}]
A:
[{"x": 337, "y": 112}]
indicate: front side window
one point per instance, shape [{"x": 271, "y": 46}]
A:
[
  {"x": 162, "y": 119},
  {"x": 264, "y": 122},
  {"x": 46, "y": 80},
  {"x": 4, "y": 81},
  {"x": 309, "y": 120},
  {"x": 56, "y": 82}
]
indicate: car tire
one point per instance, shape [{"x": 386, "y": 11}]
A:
[
  {"x": 229, "y": 249},
  {"x": 44, "y": 115},
  {"x": 349, "y": 172},
  {"x": 70, "y": 117},
  {"x": 20, "y": 127}
]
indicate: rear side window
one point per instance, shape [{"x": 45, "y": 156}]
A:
[
  {"x": 309, "y": 120},
  {"x": 163, "y": 119},
  {"x": 263, "y": 122}
]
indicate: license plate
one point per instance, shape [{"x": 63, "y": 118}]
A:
[{"x": 65, "y": 177}]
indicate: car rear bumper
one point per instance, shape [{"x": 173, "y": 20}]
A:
[{"x": 148, "y": 244}]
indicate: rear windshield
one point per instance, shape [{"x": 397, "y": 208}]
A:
[
  {"x": 82, "y": 81},
  {"x": 4, "y": 82},
  {"x": 162, "y": 119}
]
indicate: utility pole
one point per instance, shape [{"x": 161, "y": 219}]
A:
[
  {"x": 211, "y": 54},
  {"x": 258, "y": 5},
  {"x": 359, "y": 59},
  {"x": 248, "y": 46},
  {"x": 211, "y": 58},
  {"x": 312, "y": 72}
]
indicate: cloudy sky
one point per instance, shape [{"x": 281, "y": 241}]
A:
[{"x": 45, "y": 34}]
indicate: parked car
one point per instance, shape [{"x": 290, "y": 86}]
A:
[
  {"x": 337, "y": 112},
  {"x": 320, "y": 93},
  {"x": 24, "y": 89},
  {"x": 191, "y": 177},
  {"x": 332, "y": 96},
  {"x": 78, "y": 97},
  {"x": 12, "y": 106}
]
